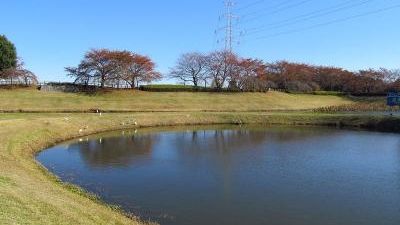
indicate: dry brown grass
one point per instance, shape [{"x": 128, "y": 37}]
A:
[{"x": 134, "y": 101}]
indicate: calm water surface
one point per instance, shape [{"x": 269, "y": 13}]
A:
[{"x": 240, "y": 176}]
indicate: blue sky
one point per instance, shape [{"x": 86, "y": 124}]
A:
[{"x": 52, "y": 34}]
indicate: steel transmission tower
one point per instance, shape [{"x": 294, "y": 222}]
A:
[{"x": 229, "y": 30}]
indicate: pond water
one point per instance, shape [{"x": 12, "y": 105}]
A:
[{"x": 239, "y": 175}]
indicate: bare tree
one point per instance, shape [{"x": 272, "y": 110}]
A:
[
  {"x": 220, "y": 66},
  {"x": 390, "y": 76},
  {"x": 190, "y": 67},
  {"x": 19, "y": 75}
]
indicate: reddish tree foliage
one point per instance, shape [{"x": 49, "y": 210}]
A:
[
  {"x": 226, "y": 70},
  {"x": 97, "y": 66},
  {"x": 140, "y": 69},
  {"x": 249, "y": 75},
  {"x": 113, "y": 68},
  {"x": 301, "y": 77}
]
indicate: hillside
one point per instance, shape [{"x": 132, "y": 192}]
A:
[{"x": 139, "y": 101}]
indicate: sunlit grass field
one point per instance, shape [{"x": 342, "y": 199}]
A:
[{"x": 32, "y": 100}]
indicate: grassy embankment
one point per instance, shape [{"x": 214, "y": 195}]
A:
[
  {"x": 31, "y": 195},
  {"x": 30, "y": 100}
]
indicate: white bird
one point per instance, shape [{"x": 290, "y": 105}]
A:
[
  {"x": 80, "y": 130},
  {"x": 66, "y": 118},
  {"x": 135, "y": 123}
]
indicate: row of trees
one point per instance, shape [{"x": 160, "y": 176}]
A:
[
  {"x": 102, "y": 67},
  {"x": 306, "y": 78},
  {"x": 105, "y": 67},
  {"x": 11, "y": 68},
  {"x": 224, "y": 69},
  {"x": 220, "y": 69}
]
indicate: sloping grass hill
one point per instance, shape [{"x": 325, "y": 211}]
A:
[{"x": 31, "y": 100}]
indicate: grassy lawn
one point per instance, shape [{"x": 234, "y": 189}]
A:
[
  {"x": 29, "y": 194},
  {"x": 133, "y": 101}
]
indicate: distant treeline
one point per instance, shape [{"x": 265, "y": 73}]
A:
[
  {"x": 215, "y": 71},
  {"x": 308, "y": 78},
  {"x": 226, "y": 71}
]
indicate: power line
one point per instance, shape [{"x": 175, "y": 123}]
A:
[
  {"x": 309, "y": 16},
  {"x": 329, "y": 22},
  {"x": 250, "y": 5},
  {"x": 261, "y": 1},
  {"x": 264, "y": 13},
  {"x": 300, "y": 16}
]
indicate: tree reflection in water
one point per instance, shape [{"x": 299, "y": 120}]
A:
[
  {"x": 240, "y": 175},
  {"x": 115, "y": 151},
  {"x": 120, "y": 150}
]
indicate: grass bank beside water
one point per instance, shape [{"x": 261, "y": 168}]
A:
[
  {"x": 29, "y": 194},
  {"x": 32, "y": 100}
]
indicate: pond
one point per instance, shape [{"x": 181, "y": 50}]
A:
[{"x": 239, "y": 175}]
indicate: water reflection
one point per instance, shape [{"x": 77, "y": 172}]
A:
[
  {"x": 248, "y": 175},
  {"x": 119, "y": 151},
  {"x": 115, "y": 151}
]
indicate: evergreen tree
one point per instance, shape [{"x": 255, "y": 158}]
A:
[{"x": 8, "y": 54}]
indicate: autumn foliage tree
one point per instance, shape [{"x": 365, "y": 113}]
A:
[
  {"x": 106, "y": 67},
  {"x": 97, "y": 65},
  {"x": 248, "y": 75},
  {"x": 138, "y": 68},
  {"x": 300, "y": 77},
  {"x": 226, "y": 70}
]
